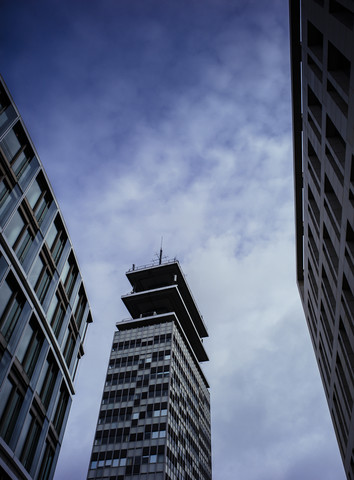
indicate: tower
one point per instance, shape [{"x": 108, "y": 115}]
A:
[
  {"x": 154, "y": 419},
  {"x": 322, "y": 63},
  {"x": 44, "y": 311}
]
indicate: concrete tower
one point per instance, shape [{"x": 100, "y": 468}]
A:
[{"x": 154, "y": 420}]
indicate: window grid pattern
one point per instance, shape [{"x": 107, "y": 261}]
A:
[
  {"x": 328, "y": 194},
  {"x": 31, "y": 295}
]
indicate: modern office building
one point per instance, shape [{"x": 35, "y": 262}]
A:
[
  {"x": 322, "y": 62},
  {"x": 43, "y": 308},
  {"x": 154, "y": 420}
]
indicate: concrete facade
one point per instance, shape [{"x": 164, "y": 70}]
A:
[
  {"x": 154, "y": 419},
  {"x": 322, "y": 69}
]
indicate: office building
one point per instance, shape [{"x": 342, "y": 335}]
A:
[
  {"x": 154, "y": 420},
  {"x": 322, "y": 62},
  {"x": 44, "y": 312}
]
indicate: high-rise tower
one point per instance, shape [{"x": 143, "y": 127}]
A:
[
  {"x": 154, "y": 420},
  {"x": 322, "y": 61},
  {"x": 43, "y": 309}
]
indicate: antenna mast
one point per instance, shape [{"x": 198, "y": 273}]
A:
[{"x": 160, "y": 257}]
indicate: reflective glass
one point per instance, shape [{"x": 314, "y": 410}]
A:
[
  {"x": 11, "y": 144},
  {"x": 33, "y": 194},
  {"x": 14, "y": 228}
]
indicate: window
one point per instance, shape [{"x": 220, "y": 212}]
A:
[
  {"x": 47, "y": 463},
  {"x": 30, "y": 347},
  {"x": 20, "y": 235},
  {"x": 339, "y": 67},
  {"x": 7, "y": 112},
  {"x": 40, "y": 277},
  {"x": 56, "y": 239},
  {"x": 315, "y": 40},
  {"x": 69, "y": 345},
  {"x": 12, "y": 302},
  {"x": 47, "y": 380},
  {"x": 80, "y": 307},
  {"x": 5, "y": 197},
  {"x": 56, "y": 314},
  {"x": 40, "y": 198},
  {"x": 69, "y": 275},
  {"x": 12, "y": 399},
  {"x": 61, "y": 409},
  {"x": 17, "y": 150},
  {"x": 31, "y": 442},
  {"x": 3, "y": 266}
]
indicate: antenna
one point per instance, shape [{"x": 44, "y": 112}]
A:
[{"x": 160, "y": 257}]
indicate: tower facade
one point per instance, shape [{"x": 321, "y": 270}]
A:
[
  {"x": 44, "y": 311},
  {"x": 322, "y": 62},
  {"x": 154, "y": 419}
]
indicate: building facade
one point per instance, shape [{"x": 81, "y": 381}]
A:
[
  {"x": 44, "y": 311},
  {"x": 322, "y": 62},
  {"x": 154, "y": 419}
]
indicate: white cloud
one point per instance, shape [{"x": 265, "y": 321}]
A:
[{"x": 175, "y": 122}]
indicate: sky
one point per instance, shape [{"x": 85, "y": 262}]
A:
[{"x": 166, "y": 118}]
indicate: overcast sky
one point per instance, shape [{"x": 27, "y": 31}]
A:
[{"x": 172, "y": 118}]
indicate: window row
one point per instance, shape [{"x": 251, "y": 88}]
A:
[
  {"x": 118, "y": 396},
  {"x": 153, "y": 454},
  {"x": 136, "y": 343},
  {"x": 134, "y": 360}
]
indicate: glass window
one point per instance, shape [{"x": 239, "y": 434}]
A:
[
  {"x": 47, "y": 463},
  {"x": 40, "y": 277},
  {"x": 39, "y": 198},
  {"x": 43, "y": 284},
  {"x": 31, "y": 443},
  {"x": 80, "y": 308},
  {"x": 20, "y": 235},
  {"x": 4, "y": 195},
  {"x": 69, "y": 346},
  {"x": 14, "y": 228},
  {"x": 34, "y": 193},
  {"x": 56, "y": 314},
  {"x": 12, "y": 399},
  {"x": 61, "y": 409},
  {"x": 3, "y": 266},
  {"x": 47, "y": 381},
  {"x": 17, "y": 150},
  {"x": 7, "y": 112},
  {"x": 12, "y": 302},
  {"x": 69, "y": 275},
  {"x": 30, "y": 347},
  {"x": 11, "y": 143},
  {"x": 56, "y": 239}
]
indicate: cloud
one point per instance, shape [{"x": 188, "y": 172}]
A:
[{"x": 173, "y": 119}]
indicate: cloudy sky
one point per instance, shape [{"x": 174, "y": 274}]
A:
[{"x": 172, "y": 118}]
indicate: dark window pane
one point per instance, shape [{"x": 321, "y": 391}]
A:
[{"x": 11, "y": 411}]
